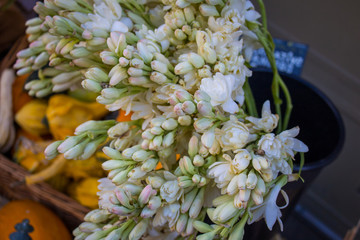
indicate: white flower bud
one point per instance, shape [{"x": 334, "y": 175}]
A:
[
  {"x": 156, "y": 122},
  {"x": 130, "y": 151},
  {"x": 197, "y": 203},
  {"x": 159, "y": 66},
  {"x": 185, "y": 120},
  {"x": 220, "y": 67},
  {"x": 112, "y": 153},
  {"x": 258, "y": 198},
  {"x": 97, "y": 216},
  {"x": 178, "y": 109},
  {"x": 183, "y": 68},
  {"x": 208, "y": 10},
  {"x": 145, "y": 195},
  {"x": 202, "y": 124},
  {"x": 154, "y": 203},
  {"x": 158, "y": 78},
  {"x": 96, "y": 74},
  {"x": 109, "y": 58},
  {"x": 149, "y": 164},
  {"x": 68, "y": 143},
  {"x": 202, "y": 96},
  {"x": 267, "y": 175},
  {"x": 188, "y": 107},
  {"x": 260, "y": 187},
  {"x": 155, "y": 181},
  {"x": 241, "y": 160},
  {"x": 136, "y": 173},
  {"x": 80, "y": 52},
  {"x": 196, "y": 60},
  {"x": 208, "y": 138},
  {"x": 115, "y": 164},
  {"x": 139, "y": 230},
  {"x": 244, "y": 194},
  {"x": 156, "y": 130},
  {"x": 196, "y": 178},
  {"x": 141, "y": 155},
  {"x": 169, "y": 139},
  {"x": 147, "y": 212},
  {"x": 205, "y": 109},
  {"x": 251, "y": 180},
  {"x": 117, "y": 74},
  {"x": 169, "y": 124},
  {"x": 118, "y": 130},
  {"x": 121, "y": 177},
  {"x": 225, "y": 212},
  {"x": 144, "y": 52},
  {"x": 51, "y": 150},
  {"x": 198, "y": 161}
]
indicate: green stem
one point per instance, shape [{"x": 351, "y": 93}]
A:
[
  {"x": 263, "y": 13},
  {"x": 249, "y": 99}
]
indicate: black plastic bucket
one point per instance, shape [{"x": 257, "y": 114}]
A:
[{"x": 321, "y": 128}]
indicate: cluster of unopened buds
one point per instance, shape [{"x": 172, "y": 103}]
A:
[{"x": 195, "y": 148}]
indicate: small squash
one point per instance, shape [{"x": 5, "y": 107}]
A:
[
  {"x": 45, "y": 223},
  {"x": 31, "y": 117},
  {"x": 85, "y": 192},
  {"x": 65, "y": 113}
]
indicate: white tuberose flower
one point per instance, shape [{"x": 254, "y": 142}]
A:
[
  {"x": 220, "y": 88},
  {"x": 269, "y": 210},
  {"x": 290, "y": 143},
  {"x": 234, "y": 135},
  {"x": 267, "y": 122},
  {"x": 170, "y": 191},
  {"x": 271, "y": 145}
]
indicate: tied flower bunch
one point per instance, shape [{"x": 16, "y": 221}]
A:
[{"x": 195, "y": 147}]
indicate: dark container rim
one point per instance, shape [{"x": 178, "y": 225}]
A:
[{"x": 333, "y": 155}]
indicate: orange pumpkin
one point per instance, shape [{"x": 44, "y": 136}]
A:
[{"x": 45, "y": 223}]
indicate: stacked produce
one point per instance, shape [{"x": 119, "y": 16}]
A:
[{"x": 180, "y": 69}]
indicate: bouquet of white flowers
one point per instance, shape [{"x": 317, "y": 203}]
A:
[{"x": 195, "y": 147}]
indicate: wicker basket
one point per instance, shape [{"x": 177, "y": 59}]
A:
[{"x": 11, "y": 187}]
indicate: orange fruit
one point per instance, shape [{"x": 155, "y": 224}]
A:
[{"x": 45, "y": 223}]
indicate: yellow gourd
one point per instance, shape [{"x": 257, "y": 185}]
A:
[
  {"x": 65, "y": 113},
  {"x": 31, "y": 117},
  {"x": 85, "y": 192},
  {"x": 78, "y": 169}
]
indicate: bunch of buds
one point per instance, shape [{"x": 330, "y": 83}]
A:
[{"x": 88, "y": 136}]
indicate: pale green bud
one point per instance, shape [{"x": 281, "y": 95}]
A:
[
  {"x": 181, "y": 223},
  {"x": 208, "y": 10},
  {"x": 115, "y": 164},
  {"x": 196, "y": 178},
  {"x": 205, "y": 109},
  {"x": 96, "y": 74},
  {"x": 112, "y": 153},
  {"x": 196, "y": 60},
  {"x": 147, "y": 212},
  {"x": 208, "y": 138},
  {"x": 189, "y": 227},
  {"x": 117, "y": 74},
  {"x": 113, "y": 93},
  {"x": 144, "y": 52},
  {"x": 183, "y": 68},
  {"x": 121, "y": 177},
  {"x": 115, "y": 234},
  {"x": 51, "y": 150},
  {"x": 169, "y": 124},
  {"x": 130, "y": 151},
  {"x": 91, "y": 85},
  {"x": 69, "y": 143},
  {"x": 145, "y": 195},
  {"x": 202, "y": 227},
  {"x": 159, "y": 66},
  {"x": 203, "y": 151},
  {"x": 96, "y": 216},
  {"x": 75, "y": 151},
  {"x": 185, "y": 120},
  {"x": 123, "y": 198},
  {"x": 197, "y": 204},
  {"x": 202, "y": 96},
  {"x": 188, "y": 107},
  {"x": 260, "y": 187},
  {"x": 156, "y": 130},
  {"x": 124, "y": 62},
  {"x": 138, "y": 81},
  {"x": 154, "y": 203},
  {"x": 139, "y": 230},
  {"x": 147, "y": 135},
  {"x": 168, "y": 139},
  {"x": 136, "y": 173},
  {"x": 193, "y": 147},
  {"x": 155, "y": 181},
  {"x": 91, "y": 147},
  {"x": 141, "y": 155},
  {"x": 202, "y": 124},
  {"x": 188, "y": 165},
  {"x": 89, "y": 227},
  {"x": 189, "y": 14},
  {"x": 225, "y": 211},
  {"x": 198, "y": 161},
  {"x": 179, "y": 34},
  {"x": 149, "y": 164},
  {"x": 244, "y": 194},
  {"x": 135, "y": 72}
]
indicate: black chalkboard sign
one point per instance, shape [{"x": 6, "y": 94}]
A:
[{"x": 290, "y": 57}]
